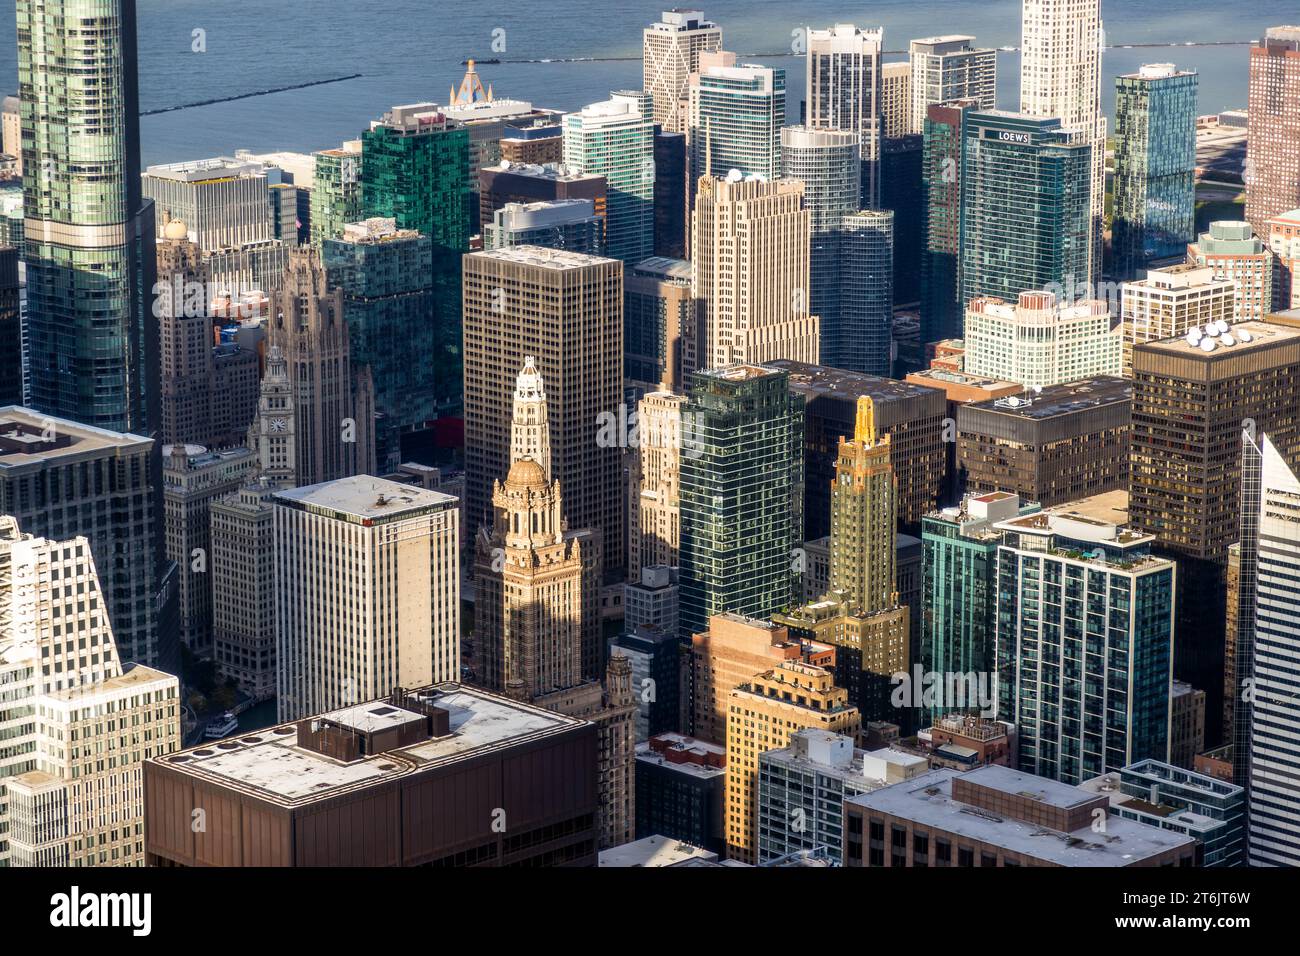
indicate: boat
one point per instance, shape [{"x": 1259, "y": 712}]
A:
[{"x": 221, "y": 726}]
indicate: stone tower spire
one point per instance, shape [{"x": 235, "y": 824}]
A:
[{"x": 530, "y": 432}]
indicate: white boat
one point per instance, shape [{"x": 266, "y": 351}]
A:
[{"x": 221, "y": 726}]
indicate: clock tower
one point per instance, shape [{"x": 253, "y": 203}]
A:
[{"x": 272, "y": 432}]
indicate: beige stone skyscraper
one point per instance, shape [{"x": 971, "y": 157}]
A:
[
  {"x": 565, "y": 309},
  {"x": 654, "y": 523},
  {"x": 670, "y": 53},
  {"x": 1060, "y": 75},
  {"x": 333, "y": 399},
  {"x": 1272, "y": 171},
  {"x": 750, "y": 241},
  {"x": 864, "y": 510}
]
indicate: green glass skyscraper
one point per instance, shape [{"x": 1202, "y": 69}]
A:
[
  {"x": 336, "y": 191},
  {"x": 415, "y": 171},
  {"x": 741, "y": 494},
  {"x": 387, "y": 281},
  {"x": 1155, "y": 167},
  {"x": 1026, "y": 220},
  {"x": 93, "y": 349}
]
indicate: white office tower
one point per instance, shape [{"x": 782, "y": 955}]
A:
[
  {"x": 367, "y": 584},
  {"x": 75, "y": 724},
  {"x": 670, "y": 53},
  {"x": 530, "y": 431},
  {"x": 1274, "y": 789},
  {"x": 1060, "y": 75},
  {"x": 950, "y": 68},
  {"x": 844, "y": 89}
]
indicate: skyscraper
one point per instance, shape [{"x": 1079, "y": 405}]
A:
[
  {"x": 224, "y": 202},
  {"x": 367, "y": 585},
  {"x": 1155, "y": 166},
  {"x": 844, "y": 89},
  {"x": 333, "y": 400},
  {"x": 11, "y": 329},
  {"x": 671, "y": 51},
  {"x": 1169, "y": 301},
  {"x": 1041, "y": 340},
  {"x": 735, "y": 119},
  {"x": 615, "y": 139},
  {"x": 1085, "y": 640},
  {"x": 660, "y": 342},
  {"x": 864, "y": 508},
  {"x": 386, "y": 275},
  {"x": 1237, "y": 255},
  {"x": 93, "y": 351},
  {"x": 1274, "y": 714},
  {"x": 1273, "y": 134},
  {"x": 1025, "y": 222},
  {"x": 864, "y": 342},
  {"x": 336, "y": 197},
  {"x": 741, "y": 494},
  {"x": 571, "y": 224},
  {"x": 751, "y": 283},
  {"x": 566, "y": 310},
  {"x": 415, "y": 171},
  {"x": 943, "y": 138},
  {"x": 950, "y": 68},
  {"x": 826, "y": 161},
  {"x": 654, "y": 526},
  {"x": 1060, "y": 76}
]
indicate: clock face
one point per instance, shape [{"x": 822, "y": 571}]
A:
[{"x": 278, "y": 425}]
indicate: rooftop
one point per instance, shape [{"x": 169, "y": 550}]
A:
[
  {"x": 1223, "y": 339},
  {"x": 269, "y": 763},
  {"x": 366, "y": 497},
  {"x": 824, "y": 381},
  {"x": 654, "y": 851},
  {"x": 1067, "y": 399},
  {"x": 927, "y": 800},
  {"x": 28, "y": 437},
  {"x": 542, "y": 257}
]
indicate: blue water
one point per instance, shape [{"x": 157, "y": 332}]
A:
[{"x": 411, "y": 50}]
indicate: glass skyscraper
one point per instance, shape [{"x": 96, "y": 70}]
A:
[
  {"x": 942, "y": 310},
  {"x": 866, "y": 300},
  {"x": 93, "y": 354},
  {"x": 741, "y": 494},
  {"x": 1026, "y": 223},
  {"x": 1155, "y": 167},
  {"x": 736, "y": 115}
]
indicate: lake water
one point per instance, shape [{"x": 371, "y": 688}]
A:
[{"x": 411, "y": 51}]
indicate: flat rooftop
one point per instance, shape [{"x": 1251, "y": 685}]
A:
[
  {"x": 269, "y": 763},
  {"x": 1067, "y": 399},
  {"x": 542, "y": 257},
  {"x": 654, "y": 851},
  {"x": 30, "y": 437},
  {"x": 367, "y": 498},
  {"x": 1258, "y": 335},
  {"x": 824, "y": 381},
  {"x": 927, "y": 800}
]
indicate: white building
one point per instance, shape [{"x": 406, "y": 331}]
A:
[
  {"x": 1169, "y": 302},
  {"x": 76, "y": 724},
  {"x": 1039, "y": 341},
  {"x": 948, "y": 68},
  {"x": 367, "y": 584},
  {"x": 844, "y": 87},
  {"x": 670, "y": 53}
]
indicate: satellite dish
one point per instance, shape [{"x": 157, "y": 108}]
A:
[
  {"x": 1207, "y": 345},
  {"x": 1226, "y": 339},
  {"x": 1221, "y": 326},
  {"x": 1244, "y": 335}
]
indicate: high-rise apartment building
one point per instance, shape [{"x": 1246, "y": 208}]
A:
[
  {"x": 106, "y": 493},
  {"x": 565, "y": 310},
  {"x": 652, "y": 601},
  {"x": 672, "y": 187},
  {"x": 415, "y": 170},
  {"x": 762, "y": 714},
  {"x": 93, "y": 338},
  {"x": 654, "y": 483},
  {"x": 943, "y": 144},
  {"x": 734, "y": 119},
  {"x": 827, "y": 162},
  {"x": 63, "y": 802},
  {"x": 1273, "y": 131},
  {"x": 1054, "y": 445},
  {"x": 336, "y": 198},
  {"x": 741, "y": 494},
  {"x": 1061, "y": 44},
  {"x": 950, "y": 68},
  {"x": 1283, "y": 232},
  {"x": 1190, "y": 399},
  {"x": 671, "y": 51},
  {"x": 615, "y": 139},
  {"x": 242, "y": 568},
  {"x": 388, "y": 299},
  {"x": 1171, "y": 301},
  {"x": 1274, "y": 714},
  {"x": 1041, "y": 340},
  {"x": 895, "y": 100},
  {"x": 1236, "y": 255},
  {"x": 844, "y": 91},
  {"x": 193, "y": 478},
  {"x": 1085, "y": 641},
  {"x": 367, "y": 591},
  {"x": 750, "y": 247},
  {"x": 659, "y": 324},
  {"x": 1155, "y": 167},
  {"x": 1026, "y": 220},
  {"x": 863, "y": 338},
  {"x": 333, "y": 397}
]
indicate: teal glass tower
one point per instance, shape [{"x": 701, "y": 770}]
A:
[
  {"x": 1026, "y": 220},
  {"x": 93, "y": 347},
  {"x": 386, "y": 276},
  {"x": 741, "y": 494},
  {"x": 415, "y": 171},
  {"x": 1155, "y": 167}
]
